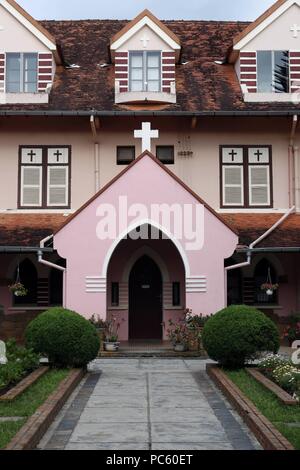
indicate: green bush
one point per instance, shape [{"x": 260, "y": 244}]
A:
[
  {"x": 65, "y": 337},
  {"x": 236, "y": 334},
  {"x": 20, "y": 362}
]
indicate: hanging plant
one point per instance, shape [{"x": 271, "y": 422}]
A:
[
  {"x": 268, "y": 286},
  {"x": 18, "y": 289}
]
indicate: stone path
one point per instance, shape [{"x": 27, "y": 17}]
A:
[{"x": 148, "y": 404}]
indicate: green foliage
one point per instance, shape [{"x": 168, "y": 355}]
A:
[
  {"x": 237, "y": 334},
  {"x": 20, "y": 362},
  {"x": 65, "y": 337},
  {"x": 282, "y": 416}
]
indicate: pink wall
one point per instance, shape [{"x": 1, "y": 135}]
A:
[{"x": 86, "y": 255}]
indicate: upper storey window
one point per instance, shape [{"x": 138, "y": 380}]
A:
[
  {"x": 145, "y": 71},
  {"x": 21, "y": 73},
  {"x": 273, "y": 72}
]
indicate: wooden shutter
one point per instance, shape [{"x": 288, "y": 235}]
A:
[
  {"x": 43, "y": 292},
  {"x": 233, "y": 185},
  {"x": 248, "y": 291},
  {"x": 259, "y": 185},
  {"x": 58, "y": 186},
  {"x": 31, "y": 186}
]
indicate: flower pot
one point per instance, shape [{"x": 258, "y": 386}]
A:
[
  {"x": 269, "y": 292},
  {"x": 180, "y": 347},
  {"x": 111, "y": 347}
]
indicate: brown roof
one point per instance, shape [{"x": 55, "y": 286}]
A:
[
  {"x": 27, "y": 229},
  {"x": 251, "y": 226},
  {"x": 202, "y": 85},
  {"x": 155, "y": 20},
  {"x": 259, "y": 20},
  {"x": 30, "y": 229}
]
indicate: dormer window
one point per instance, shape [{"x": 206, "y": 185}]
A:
[
  {"x": 145, "y": 71},
  {"x": 273, "y": 72},
  {"x": 21, "y": 73}
]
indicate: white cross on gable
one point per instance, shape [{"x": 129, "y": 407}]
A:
[
  {"x": 146, "y": 134},
  {"x": 145, "y": 41},
  {"x": 295, "y": 29}
]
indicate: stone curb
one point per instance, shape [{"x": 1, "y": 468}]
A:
[
  {"x": 33, "y": 430},
  {"x": 281, "y": 394},
  {"x": 24, "y": 384},
  {"x": 268, "y": 436}
]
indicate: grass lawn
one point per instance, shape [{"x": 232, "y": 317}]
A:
[
  {"x": 280, "y": 415},
  {"x": 26, "y": 405}
]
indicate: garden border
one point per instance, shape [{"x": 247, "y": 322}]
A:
[
  {"x": 33, "y": 430},
  {"x": 268, "y": 436},
  {"x": 281, "y": 394},
  {"x": 16, "y": 391}
]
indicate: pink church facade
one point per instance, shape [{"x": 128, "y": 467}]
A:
[{"x": 152, "y": 169}]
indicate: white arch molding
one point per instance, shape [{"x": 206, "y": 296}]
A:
[
  {"x": 146, "y": 251},
  {"x": 134, "y": 226}
]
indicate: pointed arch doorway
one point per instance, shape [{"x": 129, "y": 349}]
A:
[{"x": 145, "y": 300}]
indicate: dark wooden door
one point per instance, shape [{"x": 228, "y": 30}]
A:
[{"x": 145, "y": 300}]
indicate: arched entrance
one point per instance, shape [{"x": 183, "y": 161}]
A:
[{"x": 145, "y": 300}]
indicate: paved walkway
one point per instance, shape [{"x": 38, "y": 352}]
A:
[{"x": 147, "y": 404}]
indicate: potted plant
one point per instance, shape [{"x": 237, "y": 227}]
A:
[
  {"x": 112, "y": 327},
  {"x": 18, "y": 289},
  {"x": 195, "y": 324},
  {"x": 100, "y": 326},
  {"x": 269, "y": 288},
  {"x": 292, "y": 331},
  {"x": 178, "y": 334}
]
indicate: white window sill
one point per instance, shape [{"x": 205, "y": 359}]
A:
[
  {"x": 144, "y": 97},
  {"x": 24, "y": 98},
  {"x": 272, "y": 98}
]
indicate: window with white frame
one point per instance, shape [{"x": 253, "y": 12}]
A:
[
  {"x": 246, "y": 176},
  {"x": 145, "y": 71},
  {"x": 21, "y": 72},
  {"x": 44, "y": 177},
  {"x": 273, "y": 72}
]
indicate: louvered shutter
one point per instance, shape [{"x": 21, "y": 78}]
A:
[
  {"x": 57, "y": 194},
  {"x": 233, "y": 186},
  {"x": 259, "y": 185},
  {"x": 31, "y": 186}
]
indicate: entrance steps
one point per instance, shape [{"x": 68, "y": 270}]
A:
[{"x": 149, "y": 349}]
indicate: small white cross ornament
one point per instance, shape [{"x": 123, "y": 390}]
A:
[
  {"x": 146, "y": 134},
  {"x": 3, "y": 358},
  {"x": 145, "y": 41},
  {"x": 295, "y": 29}
]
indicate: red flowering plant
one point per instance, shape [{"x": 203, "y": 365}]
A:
[
  {"x": 112, "y": 327},
  {"x": 292, "y": 331},
  {"x": 178, "y": 333},
  {"x": 268, "y": 286}
]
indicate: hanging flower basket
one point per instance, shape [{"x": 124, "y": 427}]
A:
[
  {"x": 269, "y": 288},
  {"x": 18, "y": 289}
]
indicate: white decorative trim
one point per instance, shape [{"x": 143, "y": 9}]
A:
[
  {"x": 140, "y": 96},
  {"x": 269, "y": 97},
  {"x": 264, "y": 24},
  {"x": 196, "y": 284},
  {"x": 35, "y": 31},
  {"x": 95, "y": 284},
  {"x": 145, "y": 21}
]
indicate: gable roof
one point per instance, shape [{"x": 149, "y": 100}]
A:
[
  {"x": 262, "y": 22},
  {"x": 146, "y": 17},
  {"x": 166, "y": 170}
]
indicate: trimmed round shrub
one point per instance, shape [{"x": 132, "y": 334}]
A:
[
  {"x": 237, "y": 334},
  {"x": 65, "y": 337}
]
